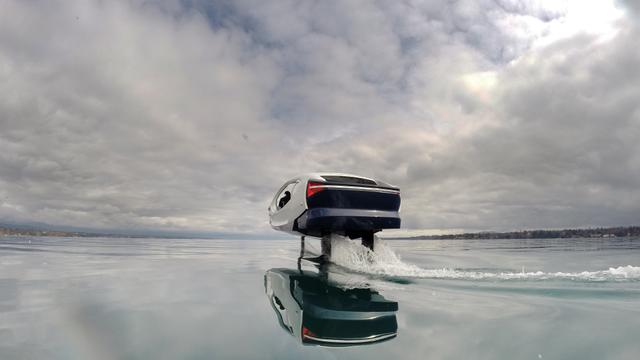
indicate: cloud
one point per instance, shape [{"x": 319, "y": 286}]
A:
[{"x": 188, "y": 115}]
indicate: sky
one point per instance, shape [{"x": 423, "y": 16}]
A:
[{"x": 188, "y": 115}]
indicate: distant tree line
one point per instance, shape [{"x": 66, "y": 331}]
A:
[
  {"x": 621, "y": 231},
  {"x": 37, "y": 231},
  {"x": 10, "y": 231},
  {"x": 14, "y": 231}
]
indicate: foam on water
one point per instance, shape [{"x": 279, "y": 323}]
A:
[{"x": 385, "y": 262}]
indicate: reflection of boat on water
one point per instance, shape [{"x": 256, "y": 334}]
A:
[{"x": 318, "y": 313}]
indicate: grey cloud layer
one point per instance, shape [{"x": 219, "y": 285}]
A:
[{"x": 188, "y": 115}]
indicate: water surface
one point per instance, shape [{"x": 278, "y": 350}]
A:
[{"x": 109, "y": 298}]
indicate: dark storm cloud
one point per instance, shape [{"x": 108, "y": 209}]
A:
[
  {"x": 564, "y": 152},
  {"x": 189, "y": 114}
]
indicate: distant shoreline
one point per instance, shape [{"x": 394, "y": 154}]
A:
[
  {"x": 16, "y": 231},
  {"x": 610, "y": 232},
  {"x": 9, "y": 231}
]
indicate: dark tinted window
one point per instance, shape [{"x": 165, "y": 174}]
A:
[
  {"x": 349, "y": 180},
  {"x": 284, "y": 195}
]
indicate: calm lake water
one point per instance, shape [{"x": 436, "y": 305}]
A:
[{"x": 108, "y": 298}]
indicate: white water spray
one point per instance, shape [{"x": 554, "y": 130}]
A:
[{"x": 384, "y": 261}]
